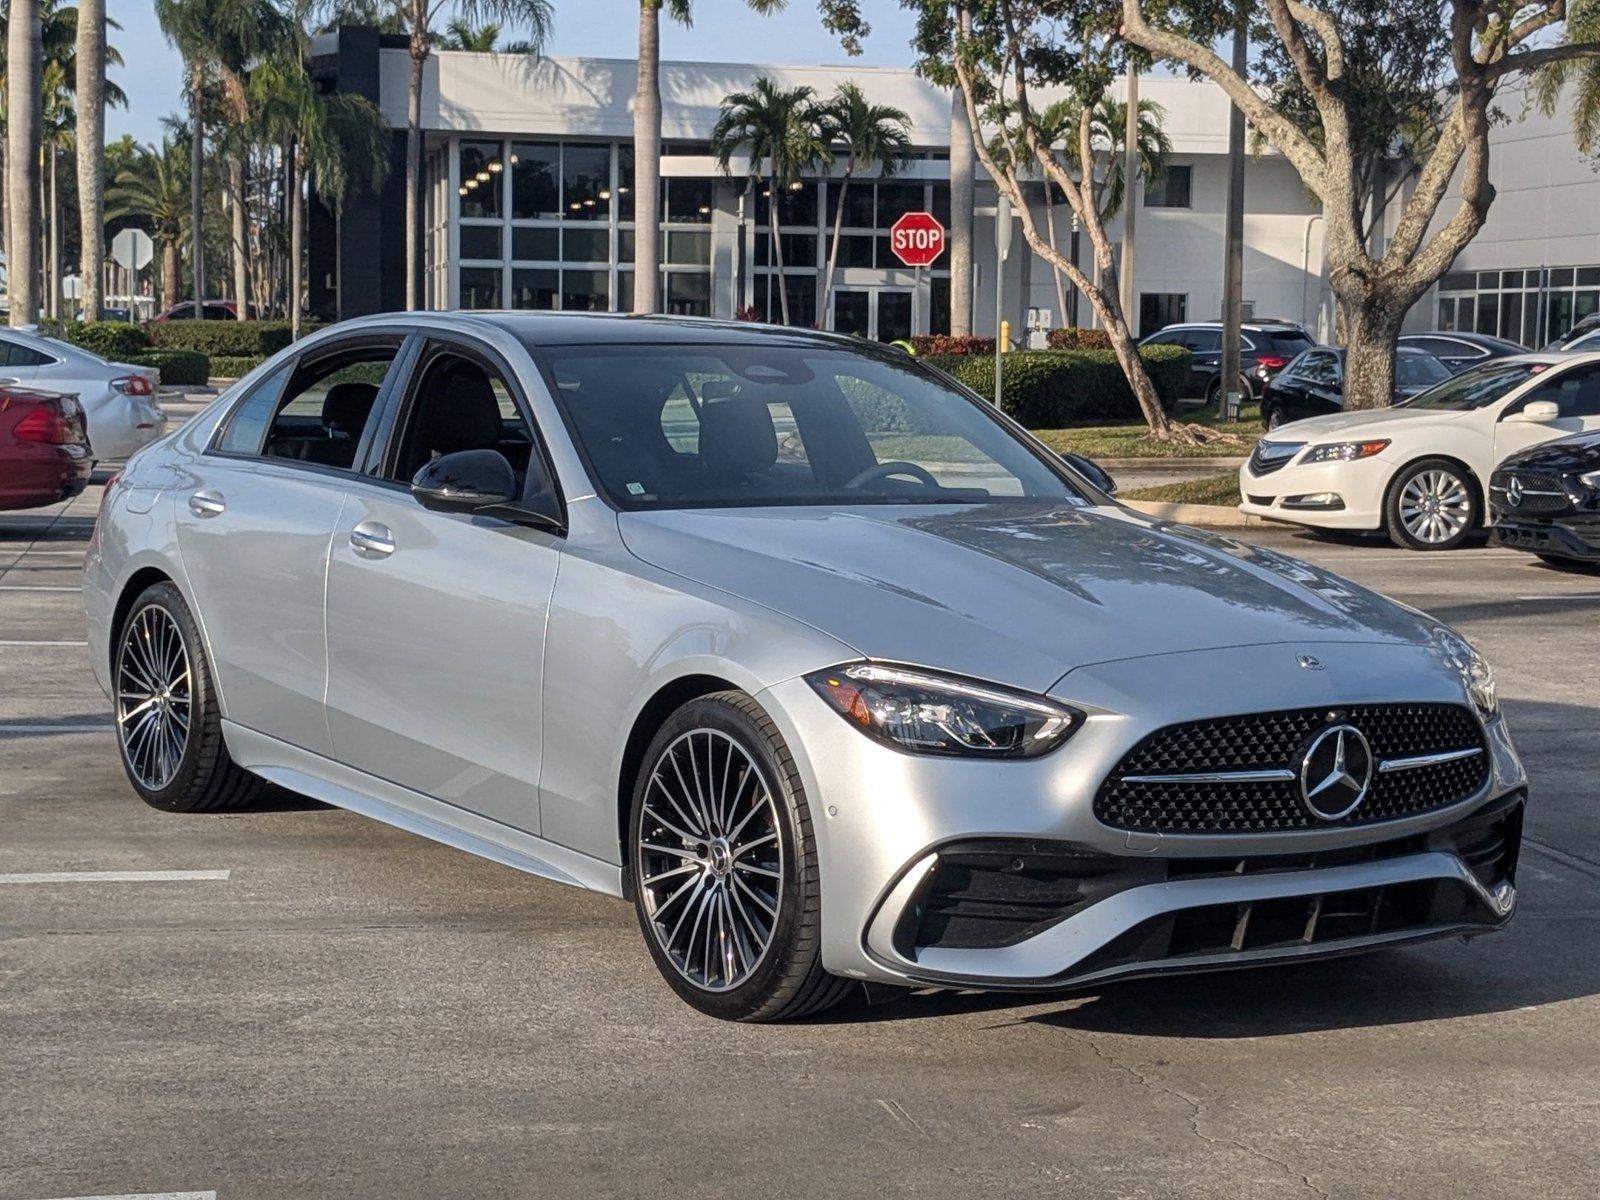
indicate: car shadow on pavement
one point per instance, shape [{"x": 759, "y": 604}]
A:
[{"x": 54, "y": 528}]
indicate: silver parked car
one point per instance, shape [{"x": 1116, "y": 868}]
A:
[
  {"x": 831, "y": 670},
  {"x": 118, "y": 399}
]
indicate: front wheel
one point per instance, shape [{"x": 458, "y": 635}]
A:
[
  {"x": 169, "y": 726},
  {"x": 723, "y": 866},
  {"x": 1431, "y": 505}
]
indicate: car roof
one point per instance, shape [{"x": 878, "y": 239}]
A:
[
  {"x": 600, "y": 329},
  {"x": 1255, "y": 326},
  {"x": 1462, "y": 335}
]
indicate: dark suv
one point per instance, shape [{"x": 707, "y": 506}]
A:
[{"x": 1265, "y": 348}]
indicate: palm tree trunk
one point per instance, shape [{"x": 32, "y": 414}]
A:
[
  {"x": 1050, "y": 229},
  {"x": 777, "y": 249},
  {"x": 5, "y": 205},
  {"x": 833, "y": 250},
  {"x": 169, "y": 272},
  {"x": 419, "y": 55},
  {"x": 91, "y": 104},
  {"x": 239, "y": 238},
  {"x": 961, "y": 202},
  {"x": 297, "y": 237},
  {"x": 647, "y": 163},
  {"x": 53, "y": 261},
  {"x": 197, "y": 194}
]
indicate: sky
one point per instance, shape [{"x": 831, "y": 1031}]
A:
[{"x": 724, "y": 31}]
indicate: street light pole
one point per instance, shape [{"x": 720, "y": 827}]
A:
[
  {"x": 1130, "y": 192},
  {"x": 1002, "y": 247}
]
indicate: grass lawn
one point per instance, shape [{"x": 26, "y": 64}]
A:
[
  {"x": 1129, "y": 441},
  {"x": 1213, "y": 489},
  {"x": 1093, "y": 441}
]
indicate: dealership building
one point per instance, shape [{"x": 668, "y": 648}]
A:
[{"x": 528, "y": 182}]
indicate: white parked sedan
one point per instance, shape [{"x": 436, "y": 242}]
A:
[
  {"x": 1419, "y": 471},
  {"x": 118, "y": 399}
]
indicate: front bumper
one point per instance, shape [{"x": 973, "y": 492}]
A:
[
  {"x": 1358, "y": 487},
  {"x": 1576, "y": 537},
  {"x": 952, "y": 872}
]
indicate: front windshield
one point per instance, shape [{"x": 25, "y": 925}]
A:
[
  {"x": 1477, "y": 387},
  {"x": 701, "y": 426},
  {"x": 1419, "y": 370}
]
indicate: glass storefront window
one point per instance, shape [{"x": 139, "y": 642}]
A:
[
  {"x": 534, "y": 287},
  {"x": 688, "y": 293},
  {"x": 481, "y": 182},
  {"x": 858, "y": 206},
  {"x": 855, "y": 249},
  {"x": 585, "y": 291},
  {"x": 480, "y": 287},
  {"x": 799, "y": 249},
  {"x": 585, "y": 245},
  {"x": 689, "y": 201},
  {"x": 586, "y": 182},
  {"x": 798, "y": 205},
  {"x": 692, "y": 249},
  {"x": 535, "y": 171},
  {"x": 897, "y": 199},
  {"x": 481, "y": 241},
  {"x": 536, "y": 245}
]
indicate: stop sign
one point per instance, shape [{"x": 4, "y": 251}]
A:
[{"x": 916, "y": 239}]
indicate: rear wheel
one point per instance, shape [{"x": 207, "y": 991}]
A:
[
  {"x": 723, "y": 866},
  {"x": 169, "y": 728},
  {"x": 1431, "y": 505}
]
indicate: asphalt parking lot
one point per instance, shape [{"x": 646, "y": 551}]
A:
[{"x": 294, "y": 1001}]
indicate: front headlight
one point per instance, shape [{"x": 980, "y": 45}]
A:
[
  {"x": 1476, "y": 674},
  {"x": 1344, "y": 451},
  {"x": 1592, "y": 479},
  {"x": 926, "y": 713}
]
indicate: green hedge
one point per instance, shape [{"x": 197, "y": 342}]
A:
[
  {"x": 234, "y": 366},
  {"x": 1046, "y": 389},
  {"x": 179, "y": 368},
  {"x": 117, "y": 340},
  {"x": 226, "y": 339}
]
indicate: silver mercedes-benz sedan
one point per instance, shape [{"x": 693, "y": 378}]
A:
[{"x": 834, "y": 672}]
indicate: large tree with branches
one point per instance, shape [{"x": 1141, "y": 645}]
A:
[{"x": 1484, "y": 44}]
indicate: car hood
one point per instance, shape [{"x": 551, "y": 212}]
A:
[
  {"x": 1018, "y": 593},
  {"x": 1356, "y": 424},
  {"x": 1577, "y": 454}
]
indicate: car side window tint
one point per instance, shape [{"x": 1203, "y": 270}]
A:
[
  {"x": 1575, "y": 394},
  {"x": 1319, "y": 369},
  {"x": 247, "y": 424},
  {"x": 460, "y": 402},
  {"x": 1203, "y": 341},
  {"x": 18, "y": 355},
  {"x": 328, "y": 403}
]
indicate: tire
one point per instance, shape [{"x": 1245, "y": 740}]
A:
[
  {"x": 725, "y": 771},
  {"x": 1432, "y": 504},
  {"x": 1274, "y": 418},
  {"x": 169, "y": 726}
]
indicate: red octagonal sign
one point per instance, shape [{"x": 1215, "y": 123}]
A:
[{"x": 917, "y": 239}]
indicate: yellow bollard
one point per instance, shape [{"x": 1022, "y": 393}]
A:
[{"x": 1005, "y": 337}]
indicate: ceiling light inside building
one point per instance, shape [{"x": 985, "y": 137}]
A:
[{"x": 496, "y": 166}]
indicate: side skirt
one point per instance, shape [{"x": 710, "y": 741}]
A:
[{"x": 344, "y": 787}]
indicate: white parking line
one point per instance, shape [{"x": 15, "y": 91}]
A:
[
  {"x": 1564, "y": 596},
  {"x": 27, "y": 642},
  {"x": 112, "y": 876},
  {"x": 41, "y": 588},
  {"x": 150, "y": 1196},
  {"x": 21, "y": 727}
]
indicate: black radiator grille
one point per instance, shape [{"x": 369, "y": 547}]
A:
[{"x": 1275, "y": 741}]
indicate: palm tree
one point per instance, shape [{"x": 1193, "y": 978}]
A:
[
  {"x": 780, "y": 129},
  {"x": 1110, "y": 127},
  {"x": 417, "y": 20},
  {"x": 24, "y": 82},
  {"x": 91, "y": 104},
  {"x": 336, "y": 143},
  {"x": 647, "y": 145},
  {"x": 154, "y": 187},
  {"x": 872, "y": 135}
]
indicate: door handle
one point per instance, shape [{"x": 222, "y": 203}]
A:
[
  {"x": 369, "y": 539},
  {"x": 207, "y": 504}
]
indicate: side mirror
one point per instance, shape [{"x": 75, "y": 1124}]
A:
[
  {"x": 1091, "y": 470},
  {"x": 1539, "y": 412},
  {"x": 466, "y": 481}
]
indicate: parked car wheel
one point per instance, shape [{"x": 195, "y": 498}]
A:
[
  {"x": 1431, "y": 505},
  {"x": 169, "y": 729},
  {"x": 1274, "y": 418},
  {"x": 723, "y": 866}
]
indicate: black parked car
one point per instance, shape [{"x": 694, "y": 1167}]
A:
[
  {"x": 1313, "y": 384},
  {"x": 1546, "y": 500},
  {"x": 1585, "y": 327},
  {"x": 1265, "y": 348},
  {"x": 1458, "y": 351}
]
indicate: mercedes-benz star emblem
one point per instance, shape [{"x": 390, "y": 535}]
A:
[
  {"x": 1513, "y": 491},
  {"x": 1310, "y": 662},
  {"x": 1335, "y": 772}
]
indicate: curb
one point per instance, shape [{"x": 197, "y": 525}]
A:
[{"x": 1212, "y": 515}]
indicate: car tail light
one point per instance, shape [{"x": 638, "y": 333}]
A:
[
  {"x": 1271, "y": 362},
  {"x": 133, "y": 385},
  {"x": 57, "y": 421}
]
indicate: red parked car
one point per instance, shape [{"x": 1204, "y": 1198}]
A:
[{"x": 44, "y": 448}]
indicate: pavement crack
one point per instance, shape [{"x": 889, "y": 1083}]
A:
[{"x": 1197, "y": 1113}]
